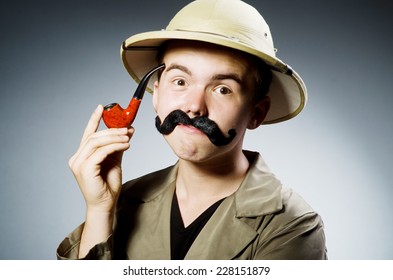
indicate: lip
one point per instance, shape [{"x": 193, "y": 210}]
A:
[{"x": 190, "y": 129}]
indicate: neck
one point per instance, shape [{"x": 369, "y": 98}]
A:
[{"x": 212, "y": 180}]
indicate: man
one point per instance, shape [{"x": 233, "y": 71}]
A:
[{"x": 221, "y": 77}]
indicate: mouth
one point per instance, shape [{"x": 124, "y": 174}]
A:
[{"x": 190, "y": 129}]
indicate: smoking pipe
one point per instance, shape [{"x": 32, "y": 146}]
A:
[{"x": 115, "y": 116}]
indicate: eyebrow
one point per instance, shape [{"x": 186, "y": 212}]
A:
[
  {"x": 217, "y": 77},
  {"x": 179, "y": 67},
  {"x": 229, "y": 76}
]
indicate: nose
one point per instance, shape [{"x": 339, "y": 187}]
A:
[{"x": 196, "y": 105}]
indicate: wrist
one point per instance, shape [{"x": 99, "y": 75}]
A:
[
  {"x": 98, "y": 217},
  {"x": 98, "y": 227}
]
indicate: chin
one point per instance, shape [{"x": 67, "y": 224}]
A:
[
  {"x": 193, "y": 151},
  {"x": 194, "y": 154}
]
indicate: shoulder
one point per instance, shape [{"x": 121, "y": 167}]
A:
[
  {"x": 294, "y": 232},
  {"x": 264, "y": 193},
  {"x": 298, "y": 226},
  {"x": 294, "y": 204},
  {"x": 295, "y": 213}
]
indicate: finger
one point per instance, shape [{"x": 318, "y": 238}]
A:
[
  {"x": 92, "y": 144},
  {"x": 110, "y": 131},
  {"x": 115, "y": 155},
  {"x": 101, "y": 138},
  {"x": 93, "y": 123},
  {"x": 104, "y": 152}
]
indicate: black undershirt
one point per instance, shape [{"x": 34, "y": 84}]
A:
[{"x": 181, "y": 237}]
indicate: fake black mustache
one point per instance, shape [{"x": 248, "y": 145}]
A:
[{"x": 206, "y": 125}]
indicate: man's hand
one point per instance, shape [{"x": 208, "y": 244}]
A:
[{"x": 97, "y": 168}]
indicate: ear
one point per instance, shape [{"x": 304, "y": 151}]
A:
[
  {"x": 155, "y": 95},
  {"x": 260, "y": 111}
]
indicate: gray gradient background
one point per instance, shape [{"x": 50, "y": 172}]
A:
[{"x": 59, "y": 59}]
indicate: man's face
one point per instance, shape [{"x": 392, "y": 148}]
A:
[{"x": 204, "y": 80}]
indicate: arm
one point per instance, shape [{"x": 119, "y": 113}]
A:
[{"x": 97, "y": 168}]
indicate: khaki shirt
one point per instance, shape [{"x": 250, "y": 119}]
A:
[{"x": 261, "y": 220}]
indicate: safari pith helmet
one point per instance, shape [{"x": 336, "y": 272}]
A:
[{"x": 229, "y": 23}]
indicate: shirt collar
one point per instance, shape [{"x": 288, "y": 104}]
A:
[
  {"x": 258, "y": 194},
  {"x": 260, "y": 191}
]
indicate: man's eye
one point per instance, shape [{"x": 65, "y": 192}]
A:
[
  {"x": 179, "y": 82},
  {"x": 223, "y": 90}
]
